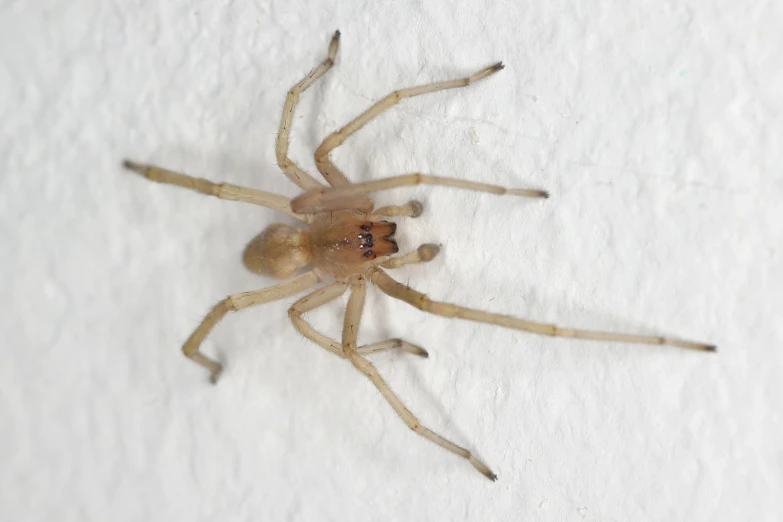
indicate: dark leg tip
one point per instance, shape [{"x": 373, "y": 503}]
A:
[
  {"x": 135, "y": 167},
  {"x": 491, "y": 476},
  {"x": 544, "y": 194},
  {"x": 416, "y": 208},
  {"x": 215, "y": 375},
  {"x": 498, "y": 66},
  {"x": 424, "y": 354},
  {"x": 711, "y": 348},
  {"x": 336, "y": 35}
]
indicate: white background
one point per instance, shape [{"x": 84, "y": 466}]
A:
[{"x": 657, "y": 128}]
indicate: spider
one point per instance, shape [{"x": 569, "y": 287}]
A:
[{"x": 347, "y": 243}]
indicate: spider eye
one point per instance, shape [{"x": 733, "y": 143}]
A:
[{"x": 369, "y": 253}]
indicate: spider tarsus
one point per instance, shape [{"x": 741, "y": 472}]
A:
[
  {"x": 411, "y": 348},
  {"x": 135, "y": 167},
  {"x": 482, "y": 468},
  {"x": 498, "y": 67},
  {"x": 333, "y": 44},
  {"x": 690, "y": 345},
  {"x": 418, "y": 350},
  {"x": 215, "y": 375},
  {"x": 528, "y": 193}
]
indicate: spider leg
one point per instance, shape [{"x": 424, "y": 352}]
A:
[
  {"x": 234, "y": 303},
  {"x": 334, "y": 198},
  {"x": 399, "y": 291},
  {"x": 353, "y": 315},
  {"x": 360, "y": 203},
  {"x": 295, "y": 173},
  {"x": 392, "y": 344},
  {"x": 412, "y": 209},
  {"x": 323, "y": 296},
  {"x": 220, "y": 190},
  {"x": 311, "y": 301},
  {"x": 322, "y": 161},
  {"x": 424, "y": 254}
]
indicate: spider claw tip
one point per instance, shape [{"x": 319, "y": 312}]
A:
[
  {"x": 215, "y": 375},
  {"x": 135, "y": 167},
  {"x": 498, "y": 66},
  {"x": 711, "y": 348}
]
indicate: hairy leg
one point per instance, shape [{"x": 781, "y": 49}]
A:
[
  {"x": 322, "y": 161},
  {"x": 326, "y": 295},
  {"x": 392, "y": 344},
  {"x": 234, "y": 303},
  {"x": 353, "y": 315},
  {"x": 302, "y": 179},
  {"x": 399, "y": 291},
  {"x": 319, "y": 198},
  {"x": 311, "y": 301},
  {"x": 220, "y": 190}
]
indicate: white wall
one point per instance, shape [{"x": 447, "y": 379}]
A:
[{"x": 655, "y": 125}]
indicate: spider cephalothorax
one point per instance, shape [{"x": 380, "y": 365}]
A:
[
  {"x": 338, "y": 244},
  {"x": 345, "y": 244}
]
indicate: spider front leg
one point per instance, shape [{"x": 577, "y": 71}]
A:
[
  {"x": 295, "y": 173},
  {"x": 321, "y": 199},
  {"x": 209, "y": 188},
  {"x": 234, "y": 303},
  {"x": 322, "y": 161},
  {"x": 353, "y": 314}
]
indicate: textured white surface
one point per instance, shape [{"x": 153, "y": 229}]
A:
[{"x": 655, "y": 125}]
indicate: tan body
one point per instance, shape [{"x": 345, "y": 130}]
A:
[
  {"x": 339, "y": 244},
  {"x": 345, "y": 243}
]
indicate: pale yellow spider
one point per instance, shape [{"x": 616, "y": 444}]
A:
[{"x": 345, "y": 241}]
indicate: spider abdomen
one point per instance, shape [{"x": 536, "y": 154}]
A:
[{"x": 279, "y": 251}]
